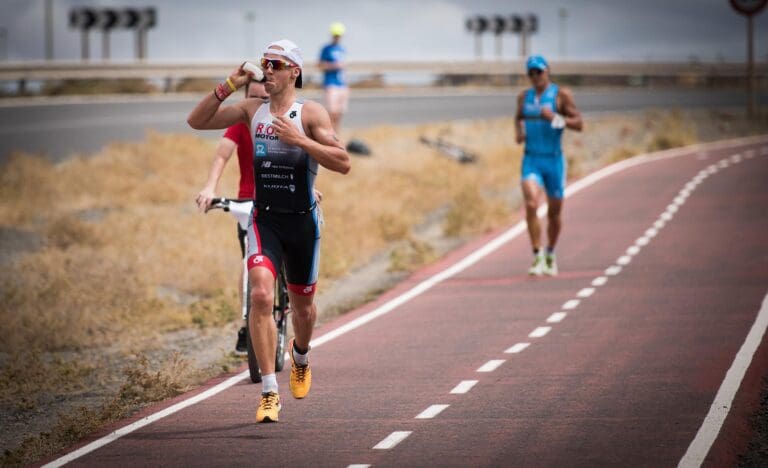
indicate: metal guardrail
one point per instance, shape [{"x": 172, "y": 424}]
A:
[{"x": 57, "y": 70}]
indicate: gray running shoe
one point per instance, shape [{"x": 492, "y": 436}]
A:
[
  {"x": 537, "y": 268},
  {"x": 550, "y": 265}
]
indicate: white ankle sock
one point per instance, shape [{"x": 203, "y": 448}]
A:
[
  {"x": 300, "y": 359},
  {"x": 269, "y": 383}
]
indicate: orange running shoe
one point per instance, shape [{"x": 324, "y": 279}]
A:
[
  {"x": 301, "y": 376},
  {"x": 269, "y": 408}
]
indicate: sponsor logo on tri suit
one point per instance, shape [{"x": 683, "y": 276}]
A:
[
  {"x": 307, "y": 290},
  {"x": 265, "y": 132},
  {"x": 261, "y": 149},
  {"x": 258, "y": 259},
  {"x": 277, "y": 176},
  {"x": 266, "y": 163},
  {"x": 292, "y": 114},
  {"x": 292, "y": 188}
]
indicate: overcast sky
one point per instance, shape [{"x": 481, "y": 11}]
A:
[{"x": 394, "y": 29}]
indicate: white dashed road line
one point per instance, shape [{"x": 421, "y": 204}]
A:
[
  {"x": 517, "y": 348},
  {"x": 557, "y": 317},
  {"x": 392, "y": 440},
  {"x": 599, "y": 281},
  {"x": 570, "y": 305},
  {"x": 491, "y": 365},
  {"x": 539, "y": 332},
  {"x": 463, "y": 387},
  {"x": 624, "y": 260},
  {"x": 431, "y": 412}
]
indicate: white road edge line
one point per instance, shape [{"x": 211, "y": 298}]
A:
[
  {"x": 358, "y": 465},
  {"x": 392, "y": 440},
  {"x": 431, "y": 412},
  {"x": 420, "y": 288},
  {"x": 709, "y": 429},
  {"x": 463, "y": 387}
]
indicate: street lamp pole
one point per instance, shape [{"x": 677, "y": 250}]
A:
[{"x": 49, "y": 29}]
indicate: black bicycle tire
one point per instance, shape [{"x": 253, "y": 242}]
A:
[
  {"x": 280, "y": 313},
  {"x": 253, "y": 363}
]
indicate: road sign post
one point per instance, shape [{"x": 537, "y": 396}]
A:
[
  {"x": 106, "y": 19},
  {"x": 750, "y": 8}
]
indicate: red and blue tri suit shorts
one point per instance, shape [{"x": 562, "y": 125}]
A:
[{"x": 290, "y": 239}]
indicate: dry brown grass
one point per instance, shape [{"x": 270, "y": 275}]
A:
[
  {"x": 671, "y": 131},
  {"x": 117, "y": 227},
  {"x": 410, "y": 255},
  {"x": 142, "y": 385}
]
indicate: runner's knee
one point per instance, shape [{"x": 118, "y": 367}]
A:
[
  {"x": 262, "y": 300},
  {"x": 531, "y": 206}
]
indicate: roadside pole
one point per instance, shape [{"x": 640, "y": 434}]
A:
[{"x": 750, "y": 8}]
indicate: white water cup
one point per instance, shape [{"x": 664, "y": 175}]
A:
[{"x": 258, "y": 75}]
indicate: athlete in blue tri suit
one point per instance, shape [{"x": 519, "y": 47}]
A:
[
  {"x": 291, "y": 140},
  {"x": 543, "y": 112},
  {"x": 332, "y": 61}
]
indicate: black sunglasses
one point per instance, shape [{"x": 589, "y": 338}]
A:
[{"x": 535, "y": 72}]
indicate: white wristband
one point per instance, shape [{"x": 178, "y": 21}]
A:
[
  {"x": 258, "y": 75},
  {"x": 558, "y": 122}
]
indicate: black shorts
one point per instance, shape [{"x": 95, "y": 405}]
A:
[{"x": 288, "y": 239}]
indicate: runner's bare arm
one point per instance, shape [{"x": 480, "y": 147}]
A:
[
  {"x": 519, "y": 128},
  {"x": 224, "y": 152},
  {"x": 320, "y": 141},
  {"x": 210, "y": 115},
  {"x": 571, "y": 114}
]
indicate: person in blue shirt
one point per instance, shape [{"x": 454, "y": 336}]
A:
[
  {"x": 543, "y": 112},
  {"x": 332, "y": 61}
]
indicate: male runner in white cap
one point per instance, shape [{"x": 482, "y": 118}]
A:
[{"x": 290, "y": 139}]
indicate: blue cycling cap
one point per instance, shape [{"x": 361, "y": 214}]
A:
[{"x": 537, "y": 62}]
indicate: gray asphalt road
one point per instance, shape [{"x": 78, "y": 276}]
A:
[{"x": 57, "y": 129}]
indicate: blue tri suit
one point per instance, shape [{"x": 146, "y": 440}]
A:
[
  {"x": 333, "y": 53},
  {"x": 543, "y": 160}
]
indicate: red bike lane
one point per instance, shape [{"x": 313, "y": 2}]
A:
[{"x": 624, "y": 377}]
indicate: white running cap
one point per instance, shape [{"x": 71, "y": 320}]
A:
[{"x": 290, "y": 51}]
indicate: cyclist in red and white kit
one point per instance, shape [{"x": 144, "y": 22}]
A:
[{"x": 291, "y": 139}]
